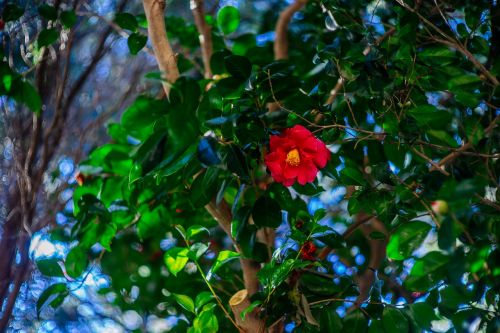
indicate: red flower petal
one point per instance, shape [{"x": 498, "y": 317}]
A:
[
  {"x": 296, "y": 155},
  {"x": 298, "y": 133},
  {"x": 323, "y": 155},
  {"x": 307, "y": 174}
]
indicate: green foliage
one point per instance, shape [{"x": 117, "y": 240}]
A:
[
  {"x": 135, "y": 41},
  {"x": 47, "y": 37},
  {"x": 407, "y": 102},
  {"x": 228, "y": 19},
  {"x": 12, "y": 12}
]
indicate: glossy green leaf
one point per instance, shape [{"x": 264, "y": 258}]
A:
[
  {"x": 48, "y": 12},
  {"x": 49, "y": 266},
  {"x": 394, "y": 321},
  {"x": 175, "y": 259},
  {"x": 266, "y": 212},
  {"x": 76, "y": 261},
  {"x": 47, "y": 37},
  {"x": 222, "y": 258},
  {"x": 427, "y": 271},
  {"x": 196, "y": 231},
  {"x": 201, "y": 299},
  {"x": 228, "y": 19},
  {"x": 406, "y": 239},
  {"x": 185, "y": 301},
  {"x": 351, "y": 176},
  {"x": 68, "y": 18},
  {"x": 12, "y": 12},
  {"x": 355, "y": 322},
  {"x": 424, "y": 314},
  {"x": 53, "y": 296},
  {"x": 126, "y": 21},
  {"x": 136, "y": 42},
  {"x": 330, "y": 321}
]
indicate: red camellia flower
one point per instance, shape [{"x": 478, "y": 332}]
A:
[
  {"x": 296, "y": 155},
  {"x": 308, "y": 250}
]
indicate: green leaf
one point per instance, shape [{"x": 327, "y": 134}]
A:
[
  {"x": 178, "y": 163},
  {"x": 330, "y": 321},
  {"x": 47, "y": 37},
  {"x": 394, "y": 321},
  {"x": 437, "y": 56},
  {"x": 320, "y": 285},
  {"x": 49, "y": 267},
  {"x": 376, "y": 327},
  {"x": 222, "y": 258},
  {"x": 430, "y": 116},
  {"x": 463, "y": 80},
  {"x": 423, "y": 314},
  {"x": 197, "y": 250},
  {"x": 185, "y": 301},
  {"x": 250, "y": 308},
  {"x": 12, "y": 12},
  {"x": 68, "y": 18},
  {"x": 107, "y": 235},
  {"x": 201, "y": 299},
  {"x": 48, "y": 12},
  {"x": 228, "y": 19},
  {"x": 273, "y": 274},
  {"x": 126, "y": 21},
  {"x": 176, "y": 258},
  {"x": 266, "y": 212},
  {"x": 443, "y": 137},
  {"x": 195, "y": 231},
  {"x": 352, "y": 176},
  {"x": 407, "y": 239},
  {"x": 136, "y": 42},
  {"x": 139, "y": 118},
  {"x": 206, "y": 322},
  {"x": 355, "y": 322},
  {"x": 395, "y": 153},
  {"x": 204, "y": 187},
  {"x": 333, "y": 239},
  {"x": 25, "y": 93},
  {"x": 239, "y": 222},
  {"x": 427, "y": 271},
  {"x": 238, "y": 66},
  {"x": 76, "y": 261},
  {"x": 53, "y": 296}
]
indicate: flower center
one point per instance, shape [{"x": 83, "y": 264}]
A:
[{"x": 293, "y": 157}]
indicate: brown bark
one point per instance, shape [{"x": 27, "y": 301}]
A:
[
  {"x": 251, "y": 322},
  {"x": 205, "y": 35},
  {"x": 19, "y": 276},
  {"x": 167, "y": 61},
  {"x": 281, "y": 30},
  {"x": 222, "y": 214}
]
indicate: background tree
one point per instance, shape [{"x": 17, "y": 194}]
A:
[{"x": 398, "y": 233}]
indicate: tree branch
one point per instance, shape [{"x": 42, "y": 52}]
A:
[
  {"x": 452, "y": 156},
  {"x": 205, "y": 35},
  {"x": 167, "y": 61},
  {"x": 281, "y": 30},
  {"x": 222, "y": 214}
]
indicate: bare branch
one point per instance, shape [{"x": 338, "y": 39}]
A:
[
  {"x": 281, "y": 41},
  {"x": 167, "y": 61},
  {"x": 222, "y": 214},
  {"x": 452, "y": 156},
  {"x": 205, "y": 35}
]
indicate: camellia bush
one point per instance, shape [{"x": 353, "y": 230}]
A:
[{"x": 335, "y": 170}]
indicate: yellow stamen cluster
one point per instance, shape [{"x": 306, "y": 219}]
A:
[{"x": 293, "y": 157}]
